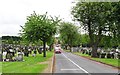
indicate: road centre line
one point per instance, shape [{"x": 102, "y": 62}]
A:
[
  {"x": 77, "y": 65},
  {"x": 70, "y": 69}
]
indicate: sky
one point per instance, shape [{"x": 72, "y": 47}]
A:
[{"x": 13, "y": 13}]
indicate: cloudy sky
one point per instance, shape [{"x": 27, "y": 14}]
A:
[{"x": 13, "y": 12}]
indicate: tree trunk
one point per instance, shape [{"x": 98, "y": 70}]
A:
[
  {"x": 94, "y": 50},
  {"x": 65, "y": 47},
  {"x": 50, "y": 47},
  {"x": 70, "y": 48},
  {"x": 96, "y": 43},
  {"x": 44, "y": 49}
]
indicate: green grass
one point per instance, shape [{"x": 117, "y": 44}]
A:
[
  {"x": 113, "y": 62},
  {"x": 67, "y": 50},
  {"x": 0, "y": 67},
  {"x": 85, "y": 55},
  {"x": 30, "y": 65}
]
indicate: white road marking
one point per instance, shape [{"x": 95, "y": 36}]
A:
[
  {"x": 77, "y": 65},
  {"x": 70, "y": 69}
]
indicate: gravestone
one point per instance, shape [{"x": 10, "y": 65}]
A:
[
  {"x": 103, "y": 55},
  {"x": 19, "y": 57},
  {"x": 98, "y": 54},
  {"x": 118, "y": 55},
  {"x": 108, "y": 55},
  {"x": 29, "y": 50},
  {"x": 0, "y": 57},
  {"x": 9, "y": 56},
  {"x": 83, "y": 51},
  {"x": 40, "y": 50},
  {"x": 4, "y": 55}
]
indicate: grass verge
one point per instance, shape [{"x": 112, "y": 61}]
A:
[
  {"x": 0, "y": 67},
  {"x": 111, "y": 62},
  {"x": 30, "y": 65}
]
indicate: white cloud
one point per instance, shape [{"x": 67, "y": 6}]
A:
[{"x": 13, "y": 12}]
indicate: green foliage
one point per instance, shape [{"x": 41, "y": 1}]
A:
[
  {"x": 11, "y": 39},
  {"x": 40, "y": 27},
  {"x": 85, "y": 39},
  {"x": 92, "y": 17},
  {"x": 69, "y": 34},
  {"x": 51, "y": 41},
  {"x": 115, "y": 18},
  {"x": 98, "y": 18},
  {"x": 108, "y": 42}
]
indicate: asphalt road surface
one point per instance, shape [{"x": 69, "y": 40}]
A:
[{"x": 70, "y": 63}]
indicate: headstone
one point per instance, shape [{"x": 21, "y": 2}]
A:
[
  {"x": 29, "y": 50},
  {"x": 0, "y": 57},
  {"x": 40, "y": 50},
  {"x": 9, "y": 56},
  {"x": 98, "y": 54},
  {"x": 116, "y": 55},
  {"x": 86, "y": 51},
  {"x": 108, "y": 55},
  {"x": 112, "y": 54},
  {"x": 103, "y": 55},
  {"x": 35, "y": 52},
  {"x": 12, "y": 52},
  {"x": 33, "y": 55},
  {"x": 19, "y": 57},
  {"x": 89, "y": 53},
  {"x": 26, "y": 53},
  {"x": 4, "y": 55},
  {"x": 83, "y": 51}
]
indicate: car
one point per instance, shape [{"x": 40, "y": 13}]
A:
[
  {"x": 57, "y": 50},
  {"x": 57, "y": 45}
]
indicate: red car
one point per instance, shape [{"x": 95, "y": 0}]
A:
[{"x": 57, "y": 50}]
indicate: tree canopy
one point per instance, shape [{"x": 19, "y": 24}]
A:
[
  {"x": 69, "y": 34},
  {"x": 97, "y": 19},
  {"x": 40, "y": 27}
]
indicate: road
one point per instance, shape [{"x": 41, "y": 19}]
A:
[{"x": 70, "y": 63}]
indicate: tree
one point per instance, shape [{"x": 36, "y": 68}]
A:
[
  {"x": 11, "y": 39},
  {"x": 51, "y": 42},
  {"x": 94, "y": 19},
  {"x": 68, "y": 34},
  {"x": 85, "y": 39},
  {"x": 115, "y": 18},
  {"x": 40, "y": 27}
]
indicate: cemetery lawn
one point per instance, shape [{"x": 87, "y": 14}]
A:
[
  {"x": 67, "y": 50},
  {"x": 0, "y": 67},
  {"x": 30, "y": 65},
  {"x": 112, "y": 62}
]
